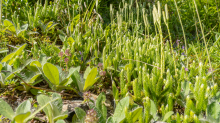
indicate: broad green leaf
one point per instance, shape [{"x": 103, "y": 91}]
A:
[
  {"x": 213, "y": 110},
  {"x": 1, "y": 66},
  {"x": 34, "y": 91},
  {"x": 62, "y": 38},
  {"x": 70, "y": 41},
  {"x": 6, "y": 110},
  {"x": 167, "y": 115},
  {"x": 58, "y": 103},
  {"x": 43, "y": 100},
  {"x": 35, "y": 63},
  {"x": 81, "y": 114},
  {"x": 21, "y": 117},
  {"x": 12, "y": 61},
  {"x": 62, "y": 116},
  {"x": 43, "y": 59},
  {"x": 10, "y": 76},
  {"x": 136, "y": 113},
  {"x": 34, "y": 78},
  {"x": 60, "y": 121},
  {"x": 77, "y": 80},
  {"x": 185, "y": 86},
  {"x": 153, "y": 110},
  {"x": 72, "y": 70},
  {"x": 75, "y": 119},
  {"x": 90, "y": 80},
  {"x": 41, "y": 108},
  {"x": 100, "y": 105},
  {"x": 52, "y": 73},
  {"x": 24, "y": 107},
  {"x": 88, "y": 70},
  {"x": 8, "y": 57},
  {"x": 64, "y": 82},
  {"x": 9, "y": 25},
  {"x": 110, "y": 120},
  {"x": 17, "y": 52},
  {"x": 119, "y": 113}
]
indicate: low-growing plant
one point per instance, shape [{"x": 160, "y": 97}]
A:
[{"x": 23, "y": 113}]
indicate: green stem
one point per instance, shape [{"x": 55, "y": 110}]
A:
[
  {"x": 184, "y": 36},
  {"x": 203, "y": 34}
]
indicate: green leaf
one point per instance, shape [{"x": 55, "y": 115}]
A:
[
  {"x": 10, "y": 26},
  {"x": 52, "y": 73},
  {"x": 214, "y": 110},
  {"x": 88, "y": 69},
  {"x": 110, "y": 120},
  {"x": 58, "y": 103},
  {"x": 81, "y": 114},
  {"x": 35, "y": 63},
  {"x": 72, "y": 70},
  {"x": 75, "y": 119},
  {"x": 34, "y": 78},
  {"x": 62, "y": 37},
  {"x": 24, "y": 107},
  {"x": 77, "y": 80},
  {"x": 6, "y": 110},
  {"x": 100, "y": 104},
  {"x": 136, "y": 113},
  {"x": 1, "y": 66},
  {"x": 42, "y": 107},
  {"x": 167, "y": 115},
  {"x": 8, "y": 57},
  {"x": 43, "y": 100},
  {"x": 64, "y": 82},
  {"x": 34, "y": 91},
  {"x": 17, "y": 52},
  {"x": 62, "y": 116},
  {"x": 90, "y": 80},
  {"x": 119, "y": 113},
  {"x": 60, "y": 121},
  {"x": 153, "y": 110},
  {"x": 70, "y": 41},
  {"x": 21, "y": 117}
]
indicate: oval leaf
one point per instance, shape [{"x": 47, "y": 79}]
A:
[
  {"x": 81, "y": 114},
  {"x": 136, "y": 113},
  {"x": 21, "y": 117},
  {"x": 51, "y": 73},
  {"x": 9, "y": 25},
  {"x": 90, "y": 80},
  {"x": 167, "y": 115},
  {"x": 6, "y": 110},
  {"x": 24, "y": 107},
  {"x": 119, "y": 113}
]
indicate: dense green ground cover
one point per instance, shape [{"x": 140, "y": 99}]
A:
[{"x": 159, "y": 60}]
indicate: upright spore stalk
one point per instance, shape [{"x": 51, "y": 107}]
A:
[{"x": 184, "y": 36}]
